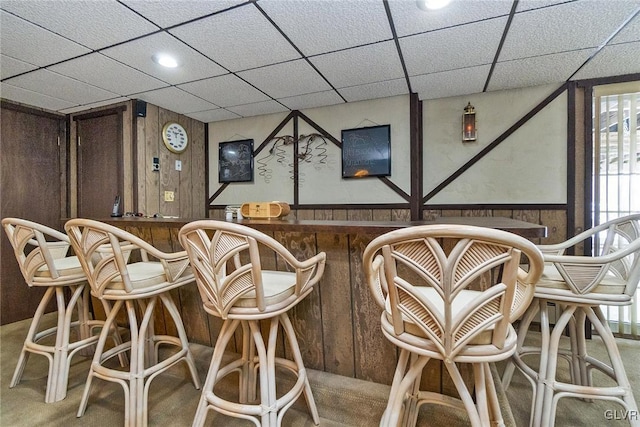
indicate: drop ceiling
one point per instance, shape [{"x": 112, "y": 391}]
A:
[{"x": 243, "y": 58}]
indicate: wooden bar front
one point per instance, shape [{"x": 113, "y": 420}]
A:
[{"x": 337, "y": 325}]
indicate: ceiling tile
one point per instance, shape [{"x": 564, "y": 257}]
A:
[
  {"x": 31, "y": 44},
  {"x": 562, "y": 28},
  {"x": 35, "y": 99},
  {"x": 286, "y": 79},
  {"x": 312, "y": 100},
  {"x": 630, "y": 33},
  {"x": 453, "y": 48},
  {"x": 524, "y": 5},
  {"x": 258, "y": 108},
  {"x": 323, "y": 26},
  {"x": 214, "y": 115},
  {"x": 11, "y": 67},
  {"x": 614, "y": 60},
  {"x": 450, "y": 83},
  {"x": 94, "y": 24},
  {"x": 138, "y": 54},
  {"x": 409, "y": 19},
  {"x": 101, "y": 71},
  {"x": 176, "y": 100},
  {"x": 239, "y": 39},
  {"x": 225, "y": 91},
  {"x": 166, "y": 13},
  {"x": 375, "y": 90},
  {"x": 360, "y": 65},
  {"x": 62, "y": 87},
  {"x": 539, "y": 70}
]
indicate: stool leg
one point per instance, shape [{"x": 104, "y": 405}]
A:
[
  {"x": 32, "y": 337},
  {"x": 266, "y": 373},
  {"x": 410, "y": 416},
  {"x": 297, "y": 357},
  {"x": 61, "y": 358},
  {"x": 225, "y": 335},
  {"x": 401, "y": 368},
  {"x": 620, "y": 375},
  {"x": 552, "y": 363},
  {"x": 97, "y": 357},
  {"x": 182, "y": 335}
]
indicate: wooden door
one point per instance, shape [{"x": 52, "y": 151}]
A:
[
  {"x": 100, "y": 176},
  {"x": 30, "y": 185}
]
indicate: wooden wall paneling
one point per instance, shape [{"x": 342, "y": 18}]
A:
[
  {"x": 506, "y": 213},
  {"x": 323, "y": 214},
  {"x": 185, "y": 177},
  {"x": 127, "y": 158},
  {"x": 528, "y": 216},
  {"x": 161, "y": 239},
  {"x": 335, "y": 294},
  {"x": 360, "y": 215},
  {"x": 143, "y": 165},
  {"x": 151, "y": 181},
  {"x": 305, "y": 214},
  {"x": 431, "y": 214},
  {"x": 169, "y": 177},
  {"x": 556, "y": 223},
  {"x": 451, "y": 212},
  {"x": 339, "y": 214},
  {"x": 375, "y": 356},
  {"x": 476, "y": 212},
  {"x": 306, "y": 316},
  {"x": 381, "y": 215},
  {"x": 198, "y": 170},
  {"x": 30, "y": 188},
  {"x": 400, "y": 215}
]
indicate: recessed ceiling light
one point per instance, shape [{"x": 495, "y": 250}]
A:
[
  {"x": 165, "y": 60},
  {"x": 432, "y": 4}
]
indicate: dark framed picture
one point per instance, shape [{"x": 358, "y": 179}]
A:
[
  {"x": 366, "y": 152},
  {"x": 235, "y": 161}
]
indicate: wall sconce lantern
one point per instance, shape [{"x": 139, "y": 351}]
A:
[{"x": 469, "y": 131}]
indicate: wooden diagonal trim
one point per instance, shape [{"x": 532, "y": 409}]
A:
[
  {"x": 394, "y": 187},
  {"x": 319, "y": 129},
  {"x": 495, "y": 143},
  {"x": 268, "y": 139},
  {"x": 217, "y": 193}
]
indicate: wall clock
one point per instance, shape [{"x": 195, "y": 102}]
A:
[{"x": 175, "y": 137}]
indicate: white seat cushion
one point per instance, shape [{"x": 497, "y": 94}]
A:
[
  {"x": 462, "y": 299},
  {"x": 277, "y": 286},
  {"x": 142, "y": 275},
  {"x": 65, "y": 266},
  {"x": 551, "y": 278}
]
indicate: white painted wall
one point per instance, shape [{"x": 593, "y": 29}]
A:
[
  {"x": 528, "y": 167},
  {"x": 320, "y": 183}
]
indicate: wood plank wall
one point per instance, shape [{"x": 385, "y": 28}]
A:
[{"x": 188, "y": 185}]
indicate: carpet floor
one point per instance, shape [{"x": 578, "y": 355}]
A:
[{"x": 341, "y": 401}]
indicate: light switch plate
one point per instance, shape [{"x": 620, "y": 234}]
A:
[{"x": 169, "y": 196}]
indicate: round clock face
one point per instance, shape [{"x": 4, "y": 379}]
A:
[{"x": 175, "y": 137}]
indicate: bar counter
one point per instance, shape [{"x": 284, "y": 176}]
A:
[{"x": 338, "y": 325}]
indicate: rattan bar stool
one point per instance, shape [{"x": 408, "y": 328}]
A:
[
  {"x": 579, "y": 286},
  {"x": 42, "y": 254},
  {"x": 120, "y": 268},
  {"x": 227, "y": 261},
  {"x": 453, "y": 305}
]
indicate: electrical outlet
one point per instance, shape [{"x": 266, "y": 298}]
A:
[
  {"x": 155, "y": 166},
  {"x": 178, "y": 165},
  {"x": 169, "y": 196}
]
